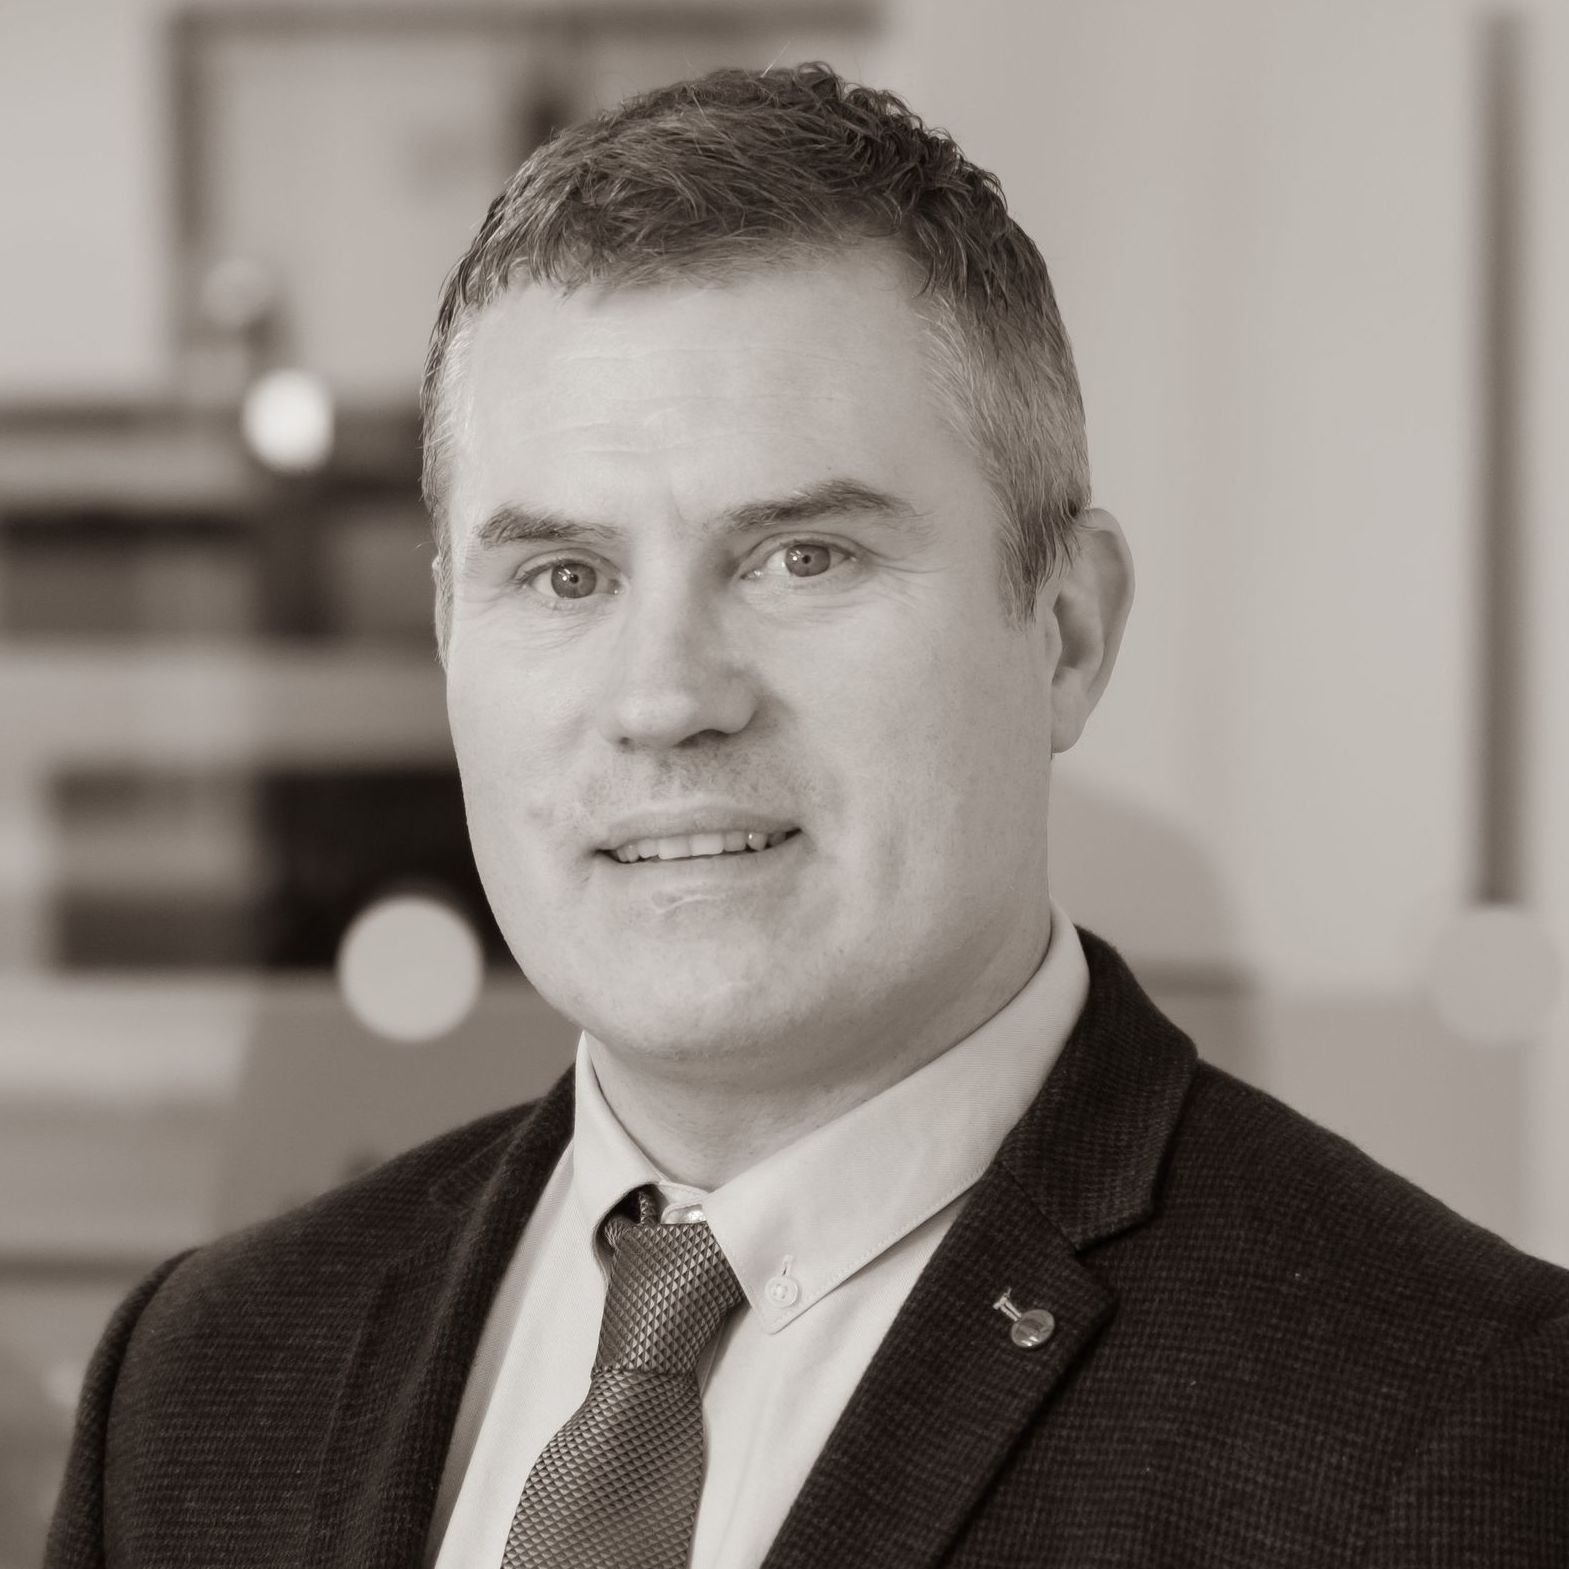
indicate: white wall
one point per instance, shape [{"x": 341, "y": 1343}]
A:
[
  {"x": 83, "y": 199},
  {"x": 1264, "y": 222},
  {"x": 1259, "y": 219}
]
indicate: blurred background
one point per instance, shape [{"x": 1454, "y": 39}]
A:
[{"x": 1313, "y": 259}]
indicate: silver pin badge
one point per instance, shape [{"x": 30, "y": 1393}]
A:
[{"x": 1030, "y": 1329}]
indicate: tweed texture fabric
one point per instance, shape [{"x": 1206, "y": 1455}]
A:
[
  {"x": 1269, "y": 1353},
  {"x": 618, "y": 1485}
]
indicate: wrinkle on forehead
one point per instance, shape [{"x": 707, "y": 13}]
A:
[
  {"x": 604, "y": 325},
  {"x": 775, "y": 380}
]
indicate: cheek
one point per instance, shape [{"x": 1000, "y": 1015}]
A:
[
  {"x": 953, "y": 765},
  {"x": 512, "y": 756},
  {"x": 904, "y": 762},
  {"x": 515, "y": 700}
]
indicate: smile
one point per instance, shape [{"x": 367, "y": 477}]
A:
[{"x": 688, "y": 847}]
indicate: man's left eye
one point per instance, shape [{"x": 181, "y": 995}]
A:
[{"x": 801, "y": 558}]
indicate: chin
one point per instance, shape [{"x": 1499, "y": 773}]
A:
[{"x": 681, "y": 1015}]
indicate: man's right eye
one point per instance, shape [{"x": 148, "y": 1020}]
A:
[{"x": 566, "y": 580}]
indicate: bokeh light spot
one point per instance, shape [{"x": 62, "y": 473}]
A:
[
  {"x": 410, "y": 967},
  {"x": 1494, "y": 975},
  {"x": 287, "y": 421}
]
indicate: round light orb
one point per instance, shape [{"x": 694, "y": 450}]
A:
[
  {"x": 287, "y": 421},
  {"x": 1494, "y": 975},
  {"x": 410, "y": 967}
]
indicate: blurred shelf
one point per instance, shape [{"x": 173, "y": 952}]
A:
[
  {"x": 130, "y": 1039},
  {"x": 204, "y": 704},
  {"x": 133, "y": 463},
  {"x": 148, "y": 462}
]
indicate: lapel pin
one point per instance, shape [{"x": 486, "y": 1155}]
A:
[{"x": 1029, "y": 1329}]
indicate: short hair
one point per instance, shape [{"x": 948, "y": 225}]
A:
[{"x": 739, "y": 171}]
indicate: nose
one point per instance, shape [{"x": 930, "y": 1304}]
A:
[{"x": 674, "y": 675}]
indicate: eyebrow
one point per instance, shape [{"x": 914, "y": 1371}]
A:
[{"x": 513, "y": 524}]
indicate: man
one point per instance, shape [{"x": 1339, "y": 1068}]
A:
[{"x": 883, "y": 1220}]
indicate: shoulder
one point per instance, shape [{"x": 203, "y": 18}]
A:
[
  {"x": 321, "y": 1252},
  {"x": 1269, "y": 1183},
  {"x": 214, "y": 1394},
  {"x": 1322, "y": 1335},
  {"x": 1314, "y": 1292},
  {"x": 222, "y": 1364},
  {"x": 1398, "y": 1349},
  {"x": 1249, "y": 1190}
]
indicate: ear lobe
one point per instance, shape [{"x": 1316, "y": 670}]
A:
[{"x": 1088, "y": 599}]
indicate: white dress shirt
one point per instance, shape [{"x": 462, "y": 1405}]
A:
[{"x": 826, "y": 1237}]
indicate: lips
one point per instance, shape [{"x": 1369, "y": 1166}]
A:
[
  {"x": 695, "y": 846},
  {"x": 693, "y": 829}
]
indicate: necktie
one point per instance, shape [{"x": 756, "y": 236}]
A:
[{"x": 617, "y": 1487}]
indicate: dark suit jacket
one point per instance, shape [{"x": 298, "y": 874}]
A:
[{"x": 1268, "y": 1352}]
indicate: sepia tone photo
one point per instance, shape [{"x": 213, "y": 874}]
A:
[{"x": 785, "y": 784}]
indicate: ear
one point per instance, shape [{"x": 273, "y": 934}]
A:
[{"x": 1085, "y": 605}]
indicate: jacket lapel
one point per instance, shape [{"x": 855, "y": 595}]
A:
[
  {"x": 421, "y": 1321},
  {"x": 949, "y": 1392}
]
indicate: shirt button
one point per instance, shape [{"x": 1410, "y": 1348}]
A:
[{"x": 782, "y": 1291}]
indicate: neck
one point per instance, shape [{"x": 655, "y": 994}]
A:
[{"x": 701, "y": 1128}]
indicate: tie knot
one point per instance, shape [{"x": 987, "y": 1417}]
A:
[{"x": 671, "y": 1289}]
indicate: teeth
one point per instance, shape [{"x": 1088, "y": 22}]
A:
[{"x": 683, "y": 847}]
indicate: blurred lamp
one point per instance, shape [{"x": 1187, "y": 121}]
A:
[
  {"x": 287, "y": 421},
  {"x": 410, "y": 967}
]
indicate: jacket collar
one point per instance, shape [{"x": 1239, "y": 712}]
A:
[
  {"x": 1089, "y": 1149},
  {"x": 949, "y": 1392}
]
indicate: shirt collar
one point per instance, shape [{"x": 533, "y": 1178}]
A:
[{"x": 825, "y": 1206}]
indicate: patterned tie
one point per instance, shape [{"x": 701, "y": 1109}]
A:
[{"x": 617, "y": 1487}]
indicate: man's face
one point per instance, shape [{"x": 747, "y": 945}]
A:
[{"x": 724, "y": 577}]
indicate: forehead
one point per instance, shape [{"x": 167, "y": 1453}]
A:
[{"x": 696, "y": 398}]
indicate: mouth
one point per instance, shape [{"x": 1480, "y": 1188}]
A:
[{"x": 700, "y": 846}]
